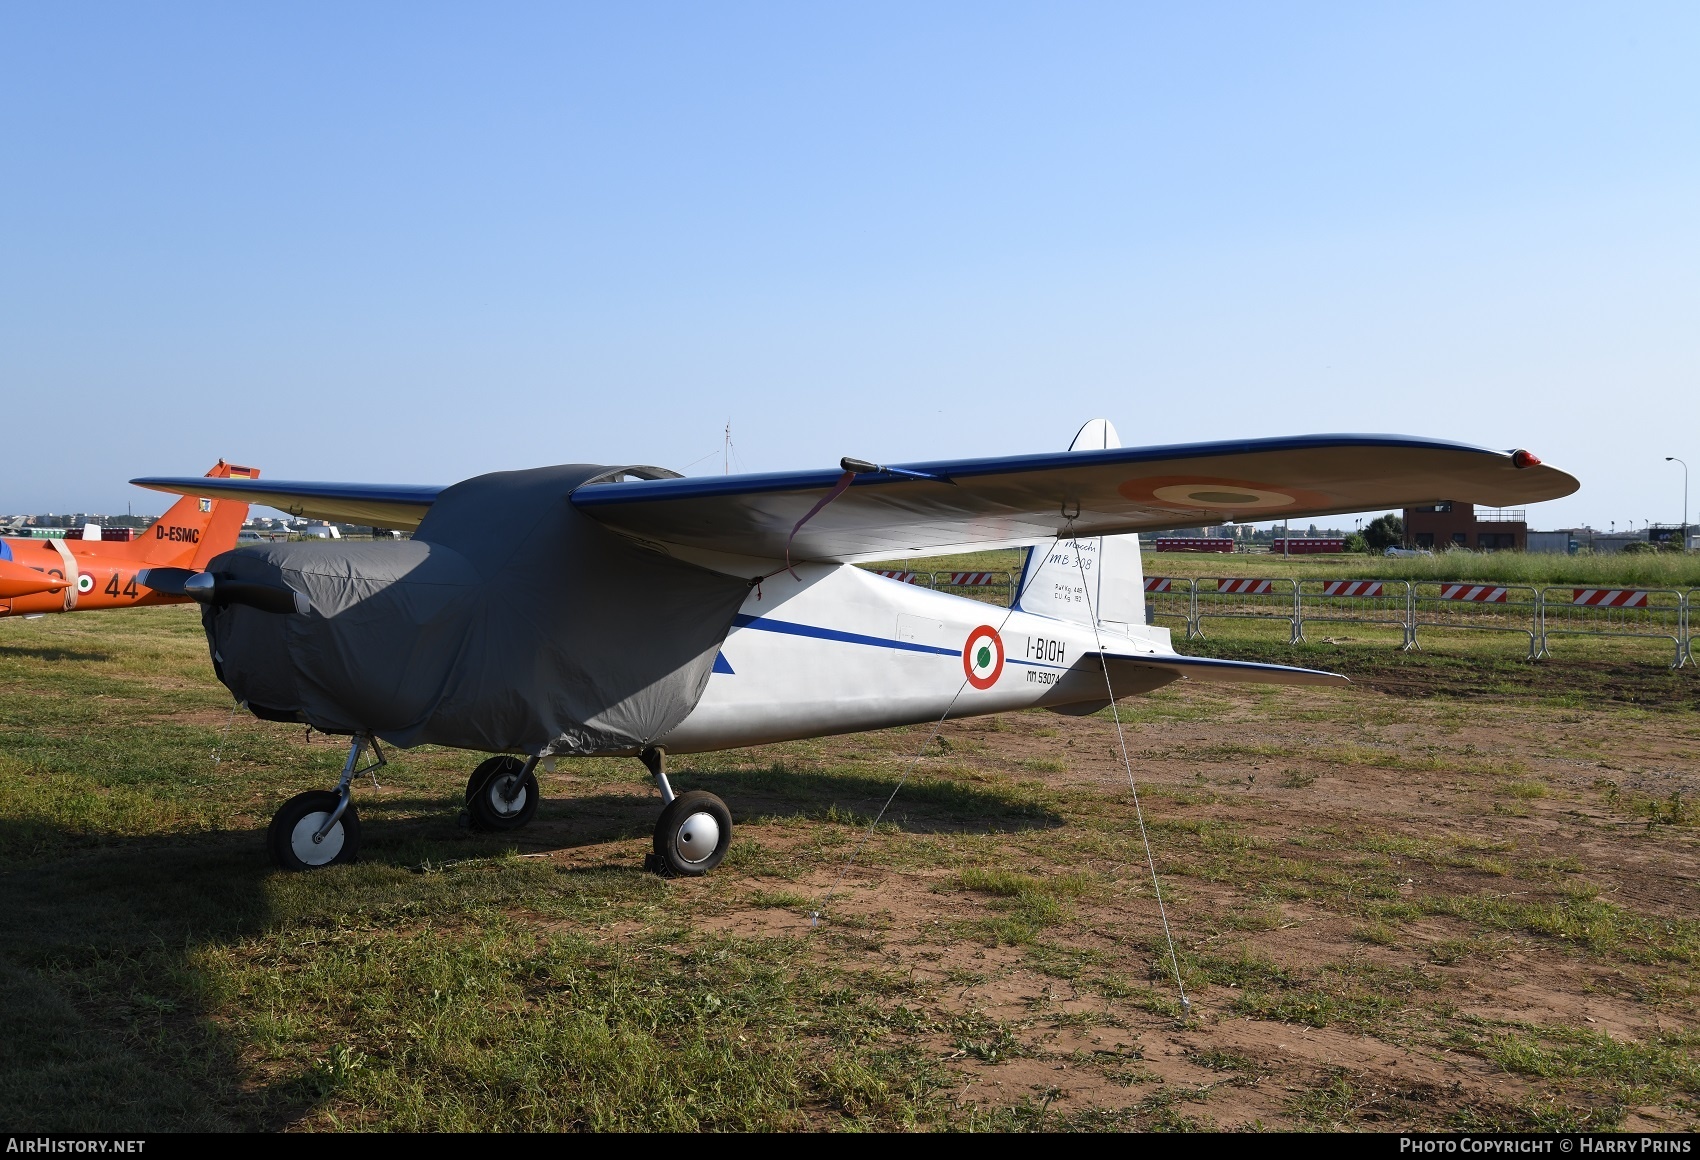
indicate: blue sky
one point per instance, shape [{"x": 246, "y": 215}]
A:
[{"x": 417, "y": 242}]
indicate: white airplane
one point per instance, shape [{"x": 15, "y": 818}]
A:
[{"x": 630, "y": 611}]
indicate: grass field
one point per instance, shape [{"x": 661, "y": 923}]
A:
[{"x": 1459, "y": 894}]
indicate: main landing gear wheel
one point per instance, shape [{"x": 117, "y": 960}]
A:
[
  {"x": 692, "y": 835},
  {"x": 290, "y": 838},
  {"x": 501, "y": 795}
]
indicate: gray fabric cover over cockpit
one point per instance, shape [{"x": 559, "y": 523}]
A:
[{"x": 510, "y": 622}]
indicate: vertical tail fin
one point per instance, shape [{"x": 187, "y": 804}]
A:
[
  {"x": 194, "y": 529},
  {"x": 1070, "y": 579}
]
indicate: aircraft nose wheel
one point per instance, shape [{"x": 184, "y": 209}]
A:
[
  {"x": 290, "y": 837},
  {"x": 692, "y": 835},
  {"x": 501, "y": 794}
]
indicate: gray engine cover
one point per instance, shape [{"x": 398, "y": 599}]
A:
[{"x": 509, "y": 623}]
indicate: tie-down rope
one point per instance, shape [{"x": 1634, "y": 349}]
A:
[
  {"x": 836, "y": 490},
  {"x": 1127, "y": 764}
]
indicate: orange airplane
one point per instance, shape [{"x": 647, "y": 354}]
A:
[{"x": 68, "y": 575}]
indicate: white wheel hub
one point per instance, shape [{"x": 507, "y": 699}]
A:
[
  {"x": 499, "y": 787},
  {"x": 697, "y": 837},
  {"x": 314, "y": 853}
]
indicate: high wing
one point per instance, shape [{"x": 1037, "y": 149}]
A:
[
  {"x": 915, "y": 508},
  {"x": 379, "y": 505}
]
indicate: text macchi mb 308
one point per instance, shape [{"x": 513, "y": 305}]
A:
[
  {"x": 622, "y": 610},
  {"x": 87, "y": 572}
]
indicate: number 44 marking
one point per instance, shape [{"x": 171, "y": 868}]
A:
[{"x": 114, "y": 591}]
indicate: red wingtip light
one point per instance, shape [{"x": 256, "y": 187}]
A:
[{"x": 1524, "y": 459}]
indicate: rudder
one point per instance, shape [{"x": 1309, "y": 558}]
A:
[
  {"x": 1071, "y": 579},
  {"x": 195, "y": 528}
]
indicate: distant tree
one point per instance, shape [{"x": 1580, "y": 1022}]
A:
[
  {"x": 1384, "y": 532},
  {"x": 1355, "y": 542}
]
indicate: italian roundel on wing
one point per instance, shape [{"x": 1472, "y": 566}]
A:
[{"x": 982, "y": 657}]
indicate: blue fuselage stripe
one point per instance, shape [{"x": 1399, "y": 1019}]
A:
[{"x": 791, "y": 628}]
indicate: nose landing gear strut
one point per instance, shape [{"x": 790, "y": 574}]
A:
[
  {"x": 321, "y": 827},
  {"x": 694, "y": 830}
]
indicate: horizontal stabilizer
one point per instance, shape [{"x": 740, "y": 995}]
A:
[
  {"x": 381, "y": 505},
  {"x": 1139, "y": 667}
]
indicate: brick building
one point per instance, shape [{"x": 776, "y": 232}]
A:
[{"x": 1464, "y": 525}]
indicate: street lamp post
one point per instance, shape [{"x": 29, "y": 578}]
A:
[{"x": 1673, "y": 459}]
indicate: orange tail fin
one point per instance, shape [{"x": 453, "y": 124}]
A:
[{"x": 195, "y": 530}]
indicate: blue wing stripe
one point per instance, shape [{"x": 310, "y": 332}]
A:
[{"x": 606, "y": 494}]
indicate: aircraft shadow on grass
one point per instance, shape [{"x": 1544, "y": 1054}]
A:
[
  {"x": 754, "y": 796},
  {"x": 103, "y": 1021},
  {"x": 51, "y": 653},
  {"x": 103, "y": 1027}
]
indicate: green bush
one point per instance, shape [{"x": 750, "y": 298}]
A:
[{"x": 1384, "y": 532}]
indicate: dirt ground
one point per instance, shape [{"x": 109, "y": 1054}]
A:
[{"x": 1319, "y": 801}]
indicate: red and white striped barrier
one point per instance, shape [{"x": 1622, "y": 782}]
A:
[
  {"x": 974, "y": 579},
  {"x": 1306, "y": 546},
  {"x": 1246, "y": 587},
  {"x": 1473, "y": 593},
  {"x": 906, "y": 577},
  {"x": 1610, "y": 597},
  {"x": 1162, "y": 583},
  {"x": 1194, "y": 544},
  {"x": 1352, "y": 588}
]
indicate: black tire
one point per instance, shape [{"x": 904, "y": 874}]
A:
[
  {"x": 289, "y": 838},
  {"x": 679, "y": 834},
  {"x": 487, "y": 804}
]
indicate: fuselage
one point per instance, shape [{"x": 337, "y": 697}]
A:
[
  {"x": 101, "y": 575},
  {"x": 840, "y": 650},
  {"x": 89, "y": 575}
]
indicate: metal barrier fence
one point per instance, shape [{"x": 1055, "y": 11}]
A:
[
  {"x": 998, "y": 587},
  {"x": 1476, "y": 608},
  {"x": 1255, "y": 598},
  {"x": 924, "y": 579},
  {"x": 1172, "y": 598},
  {"x": 1536, "y": 614},
  {"x": 1383, "y": 603},
  {"x": 1689, "y": 635},
  {"x": 1652, "y": 613}
]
